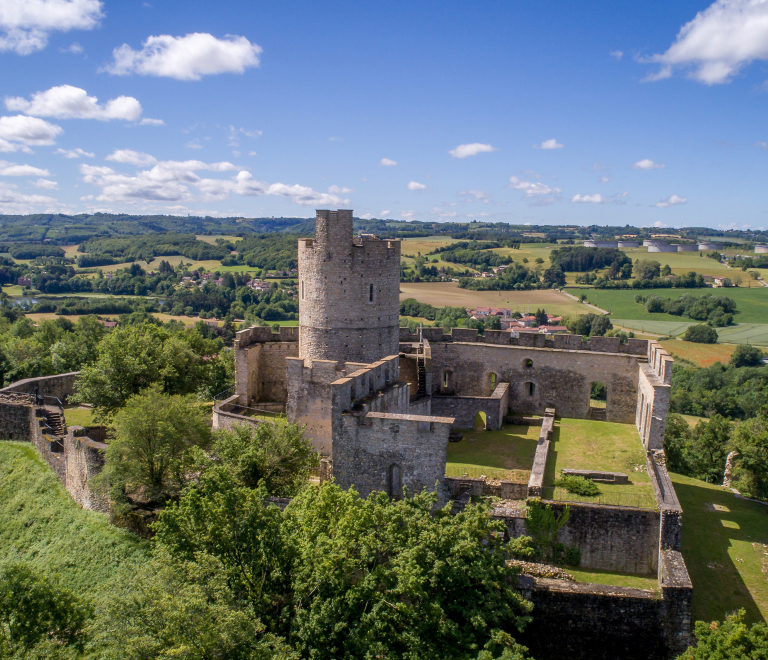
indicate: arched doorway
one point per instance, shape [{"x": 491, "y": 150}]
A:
[{"x": 481, "y": 420}]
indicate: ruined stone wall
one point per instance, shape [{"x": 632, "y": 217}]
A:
[
  {"x": 465, "y": 408},
  {"x": 17, "y": 419},
  {"x": 348, "y": 293},
  {"x": 653, "y": 394},
  {"x": 597, "y": 622},
  {"x": 84, "y": 459},
  {"x": 260, "y": 356},
  {"x": 560, "y": 378},
  {"x": 612, "y": 538},
  {"x": 536, "y": 481},
  {"x": 59, "y": 386},
  {"x": 391, "y": 453}
]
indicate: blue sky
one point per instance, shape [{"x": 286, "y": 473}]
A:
[{"x": 643, "y": 113}]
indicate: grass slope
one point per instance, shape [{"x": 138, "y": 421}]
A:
[
  {"x": 725, "y": 549},
  {"x": 701, "y": 355},
  {"x": 42, "y": 525}
]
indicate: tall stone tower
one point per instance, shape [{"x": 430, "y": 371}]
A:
[{"x": 348, "y": 293}]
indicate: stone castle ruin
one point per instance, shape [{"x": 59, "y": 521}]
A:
[{"x": 380, "y": 405}]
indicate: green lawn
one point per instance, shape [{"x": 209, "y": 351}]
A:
[
  {"x": 78, "y": 416},
  {"x": 725, "y": 548},
  {"x": 504, "y": 454},
  {"x": 584, "y": 444},
  {"x": 42, "y": 525}
]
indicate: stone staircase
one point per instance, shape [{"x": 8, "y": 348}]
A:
[
  {"x": 422, "y": 375},
  {"x": 55, "y": 420}
]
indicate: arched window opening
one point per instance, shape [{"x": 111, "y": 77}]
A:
[
  {"x": 528, "y": 363},
  {"x": 494, "y": 381},
  {"x": 395, "y": 482}
]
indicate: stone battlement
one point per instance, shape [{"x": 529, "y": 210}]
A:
[
  {"x": 534, "y": 340},
  {"x": 262, "y": 334}
]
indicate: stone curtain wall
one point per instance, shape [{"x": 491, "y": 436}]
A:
[
  {"x": 348, "y": 293},
  {"x": 465, "y": 408},
  {"x": 391, "y": 453},
  {"x": 594, "y": 622},
  {"x": 59, "y": 386},
  {"x": 653, "y": 394},
  {"x": 17, "y": 419},
  {"x": 560, "y": 378}
]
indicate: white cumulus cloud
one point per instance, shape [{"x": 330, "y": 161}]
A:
[
  {"x": 589, "y": 199},
  {"x": 604, "y": 179},
  {"x": 415, "y": 185},
  {"x": 186, "y": 58},
  {"x": 617, "y": 54},
  {"x": 20, "y": 133},
  {"x": 45, "y": 183},
  {"x": 386, "y": 162},
  {"x": 14, "y": 202},
  {"x": 131, "y": 157},
  {"x": 532, "y": 188},
  {"x": 647, "y": 164},
  {"x": 337, "y": 190},
  {"x": 178, "y": 181},
  {"x": 68, "y": 102},
  {"x": 465, "y": 150},
  {"x": 670, "y": 201},
  {"x": 26, "y": 24},
  {"x": 718, "y": 42},
  {"x": 548, "y": 144},
  {"x": 12, "y": 169},
  {"x": 74, "y": 153}
]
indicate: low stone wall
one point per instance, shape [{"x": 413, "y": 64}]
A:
[
  {"x": 224, "y": 416},
  {"x": 59, "y": 386},
  {"x": 504, "y": 488},
  {"x": 536, "y": 482},
  {"x": 596, "y": 475},
  {"x": 670, "y": 534}
]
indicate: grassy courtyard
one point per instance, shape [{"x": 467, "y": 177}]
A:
[
  {"x": 504, "y": 454},
  {"x": 584, "y": 444}
]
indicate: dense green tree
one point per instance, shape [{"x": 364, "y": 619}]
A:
[
  {"x": 150, "y": 454},
  {"x": 750, "y": 440},
  {"x": 700, "y": 334},
  {"x": 493, "y": 323},
  {"x": 731, "y": 640},
  {"x": 37, "y": 614},
  {"x": 588, "y": 324},
  {"x": 277, "y": 453},
  {"x": 182, "y": 609},
  {"x": 746, "y": 356},
  {"x": 699, "y": 451},
  {"x": 646, "y": 269}
]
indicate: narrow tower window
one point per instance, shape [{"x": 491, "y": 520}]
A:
[
  {"x": 302, "y": 289},
  {"x": 370, "y": 293}
]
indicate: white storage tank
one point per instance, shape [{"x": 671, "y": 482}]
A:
[
  {"x": 662, "y": 248},
  {"x": 761, "y": 249},
  {"x": 629, "y": 244},
  {"x": 652, "y": 242},
  {"x": 686, "y": 247},
  {"x": 601, "y": 244},
  {"x": 711, "y": 246}
]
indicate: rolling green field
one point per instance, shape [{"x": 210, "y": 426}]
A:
[
  {"x": 702, "y": 355},
  {"x": 42, "y": 525},
  {"x": 751, "y": 304}
]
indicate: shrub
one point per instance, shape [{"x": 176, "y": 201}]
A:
[
  {"x": 578, "y": 485},
  {"x": 701, "y": 334},
  {"x": 746, "y": 356}
]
